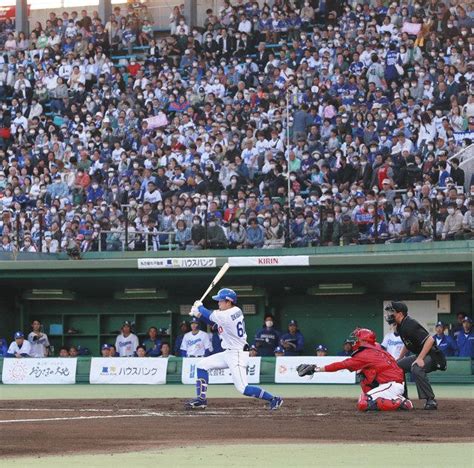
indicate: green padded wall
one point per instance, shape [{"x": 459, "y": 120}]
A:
[{"x": 329, "y": 320}]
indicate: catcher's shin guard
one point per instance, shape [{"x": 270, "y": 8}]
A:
[
  {"x": 384, "y": 404},
  {"x": 366, "y": 403},
  {"x": 363, "y": 403}
]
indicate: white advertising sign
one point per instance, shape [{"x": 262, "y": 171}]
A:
[
  {"x": 285, "y": 370},
  {"x": 156, "y": 263},
  {"x": 128, "y": 370},
  {"x": 268, "y": 261},
  {"x": 39, "y": 371},
  {"x": 219, "y": 376}
]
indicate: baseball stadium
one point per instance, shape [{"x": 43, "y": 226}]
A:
[{"x": 236, "y": 233}]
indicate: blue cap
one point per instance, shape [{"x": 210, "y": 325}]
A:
[
  {"x": 105, "y": 346},
  {"x": 359, "y": 194},
  {"x": 253, "y": 348},
  {"x": 293, "y": 322},
  {"x": 194, "y": 320},
  {"x": 440, "y": 324},
  {"x": 320, "y": 348},
  {"x": 226, "y": 294},
  {"x": 467, "y": 319},
  {"x": 18, "y": 334},
  {"x": 279, "y": 349}
]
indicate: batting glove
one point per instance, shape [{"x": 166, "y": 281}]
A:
[
  {"x": 194, "y": 312},
  {"x": 197, "y": 304}
]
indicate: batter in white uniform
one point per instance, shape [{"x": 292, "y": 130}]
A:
[{"x": 231, "y": 326}]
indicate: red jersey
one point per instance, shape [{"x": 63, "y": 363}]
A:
[{"x": 377, "y": 366}]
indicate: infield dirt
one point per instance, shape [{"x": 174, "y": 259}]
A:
[{"x": 48, "y": 427}]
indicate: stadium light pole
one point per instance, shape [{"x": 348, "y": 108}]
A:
[{"x": 288, "y": 216}]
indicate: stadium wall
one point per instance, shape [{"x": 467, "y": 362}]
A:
[{"x": 92, "y": 293}]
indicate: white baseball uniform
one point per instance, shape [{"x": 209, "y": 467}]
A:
[
  {"x": 126, "y": 346},
  {"x": 195, "y": 345},
  {"x": 231, "y": 328},
  {"x": 25, "y": 348},
  {"x": 389, "y": 390},
  {"x": 393, "y": 344},
  {"x": 39, "y": 347}
]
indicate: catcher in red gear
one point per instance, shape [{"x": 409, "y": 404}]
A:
[{"x": 383, "y": 381}]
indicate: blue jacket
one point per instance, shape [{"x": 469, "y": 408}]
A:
[
  {"x": 3, "y": 347},
  {"x": 177, "y": 345},
  {"x": 296, "y": 339},
  {"x": 216, "y": 343},
  {"x": 152, "y": 347},
  {"x": 255, "y": 236},
  {"x": 447, "y": 345},
  {"x": 266, "y": 340},
  {"x": 466, "y": 344}
]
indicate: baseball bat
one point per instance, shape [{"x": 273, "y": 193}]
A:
[{"x": 216, "y": 279}]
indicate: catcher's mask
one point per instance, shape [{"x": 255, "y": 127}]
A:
[
  {"x": 362, "y": 334},
  {"x": 392, "y": 308}
]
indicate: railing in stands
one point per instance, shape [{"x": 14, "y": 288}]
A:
[{"x": 466, "y": 163}]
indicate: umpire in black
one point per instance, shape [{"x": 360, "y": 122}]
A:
[{"x": 426, "y": 356}]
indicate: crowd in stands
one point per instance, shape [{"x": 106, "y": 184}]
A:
[
  {"x": 115, "y": 137},
  {"x": 192, "y": 341}
]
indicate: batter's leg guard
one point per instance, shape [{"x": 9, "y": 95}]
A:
[
  {"x": 257, "y": 392},
  {"x": 201, "y": 384}
]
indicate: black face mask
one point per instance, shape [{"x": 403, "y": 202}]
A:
[{"x": 389, "y": 316}]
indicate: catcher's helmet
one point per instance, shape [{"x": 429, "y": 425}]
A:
[
  {"x": 226, "y": 294},
  {"x": 363, "y": 334}
]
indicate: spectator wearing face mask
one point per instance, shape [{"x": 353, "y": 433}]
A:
[
  {"x": 267, "y": 337},
  {"x": 453, "y": 223},
  {"x": 236, "y": 235},
  {"x": 216, "y": 238},
  {"x": 255, "y": 235},
  {"x": 410, "y": 227},
  {"x": 346, "y": 232},
  {"x": 274, "y": 233}
]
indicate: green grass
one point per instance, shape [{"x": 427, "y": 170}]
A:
[
  {"x": 31, "y": 392},
  {"x": 281, "y": 455}
]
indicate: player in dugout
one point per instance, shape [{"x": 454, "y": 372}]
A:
[{"x": 382, "y": 380}]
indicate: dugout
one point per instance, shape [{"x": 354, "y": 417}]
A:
[{"x": 328, "y": 290}]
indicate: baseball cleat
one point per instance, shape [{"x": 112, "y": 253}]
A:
[
  {"x": 406, "y": 405},
  {"x": 197, "y": 403},
  {"x": 431, "y": 404},
  {"x": 275, "y": 403}
]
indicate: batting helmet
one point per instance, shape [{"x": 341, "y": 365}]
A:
[
  {"x": 226, "y": 294},
  {"x": 363, "y": 334}
]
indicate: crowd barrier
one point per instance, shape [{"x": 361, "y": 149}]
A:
[{"x": 172, "y": 370}]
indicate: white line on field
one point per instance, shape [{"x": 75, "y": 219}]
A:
[
  {"x": 72, "y": 418},
  {"x": 71, "y": 410}
]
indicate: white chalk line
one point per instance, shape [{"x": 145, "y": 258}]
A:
[
  {"x": 63, "y": 410},
  {"x": 140, "y": 415},
  {"x": 75, "y": 418}
]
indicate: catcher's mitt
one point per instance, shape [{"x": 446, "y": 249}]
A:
[{"x": 305, "y": 369}]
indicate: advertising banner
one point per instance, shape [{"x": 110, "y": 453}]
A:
[
  {"x": 285, "y": 370},
  {"x": 128, "y": 370},
  {"x": 219, "y": 376},
  {"x": 39, "y": 371},
  {"x": 156, "y": 263},
  {"x": 268, "y": 261}
]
